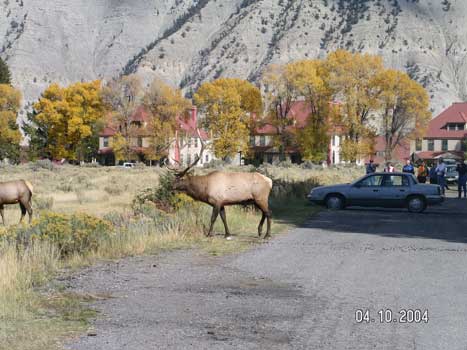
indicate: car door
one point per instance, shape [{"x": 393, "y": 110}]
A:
[
  {"x": 394, "y": 190},
  {"x": 366, "y": 192}
]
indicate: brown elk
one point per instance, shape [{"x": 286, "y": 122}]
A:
[
  {"x": 13, "y": 192},
  {"x": 219, "y": 189}
]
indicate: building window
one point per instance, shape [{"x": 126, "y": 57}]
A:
[
  {"x": 455, "y": 126},
  {"x": 196, "y": 142},
  {"x": 188, "y": 159},
  {"x": 262, "y": 140},
  {"x": 418, "y": 145},
  {"x": 140, "y": 142},
  {"x": 189, "y": 143},
  {"x": 333, "y": 141},
  {"x": 106, "y": 141},
  {"x": 444, "y": 145},
  {"x": 431, "y": 145},
  {"x": 207, "y": 158},
  {"x": 252, "y": 141},
  {"x": 269, "y": 158}
]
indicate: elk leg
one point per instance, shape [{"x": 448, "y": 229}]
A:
[
  {"x": 23, "y": 211},
  {"x": 1, "y": 213},
  {"x": 224, "y": 220},
  {"x": 268, "y": 231},
  {"x": 29, "y": 209},
  {"x": 215, "y": 212},
  {"x": 260, "y": 226}
]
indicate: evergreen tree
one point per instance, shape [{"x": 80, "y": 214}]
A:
[{"x": 5, "y": 77}]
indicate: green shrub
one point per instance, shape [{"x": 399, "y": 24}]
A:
[
  {"x": 113, "y": 190},
  {"x": 75, "y": 233},
  {"x": 42, "y": 164},
  {"x": 162, "y": 197},
  {"x": 43, "y": 203}
]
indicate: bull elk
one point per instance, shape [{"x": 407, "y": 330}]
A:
[
  {"x": 13, "y": 192},
  {"x": 219, "y": 189}
]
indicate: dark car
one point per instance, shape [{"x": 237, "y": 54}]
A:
[{"x": 391, "y": 190}]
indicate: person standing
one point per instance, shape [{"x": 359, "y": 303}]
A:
[
  {"x": 433, "y": 176},
  {"x": 408, "y": 167},
  {"x": 370, "y": 167},
  {"x": 441, "y": 175},
  {"x": 422, "y": 173},
  {"x": 462, "y": 181},
  {"x": 389, "y": 168}
]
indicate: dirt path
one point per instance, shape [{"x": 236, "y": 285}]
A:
[{"x": 299, "y": 291}]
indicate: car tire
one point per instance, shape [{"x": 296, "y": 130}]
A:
[
  {"x": 416, "y": 204},
  {"x": 334, "y": 202}
]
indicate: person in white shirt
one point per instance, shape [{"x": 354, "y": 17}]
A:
[{"x": 441, "y": 174}]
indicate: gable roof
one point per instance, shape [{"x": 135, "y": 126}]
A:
[{"x": 456, "y": 113}]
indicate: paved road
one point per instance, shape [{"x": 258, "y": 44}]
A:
[{"x": 299, "y": 291}]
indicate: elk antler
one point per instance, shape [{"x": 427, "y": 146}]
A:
[{"x": 182, "y": 173}]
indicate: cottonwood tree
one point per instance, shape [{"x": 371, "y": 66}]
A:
[
  {"x": 165, "y": 105},
  {"x": 353, "y": 77},
  {"x": 280, "y": 95},
  {"x": 10, "y": 135},
  {"x": 121, "y": 98},
  {"x": 71, "y": 117},
  {"x": 227, "y": 104},
  {"x": 404, "y": 109},
  {"x": 310, "y": 81}
]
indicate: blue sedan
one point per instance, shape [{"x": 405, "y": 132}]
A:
[{"x": 389, "y": 190}]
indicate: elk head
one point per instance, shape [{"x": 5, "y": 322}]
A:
[{"x": 182, "y": 175}]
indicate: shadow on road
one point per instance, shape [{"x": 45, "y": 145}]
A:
[{"x": 445, "y": 222}]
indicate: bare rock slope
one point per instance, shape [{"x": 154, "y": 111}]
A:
[{"x": 187, "y": 42}]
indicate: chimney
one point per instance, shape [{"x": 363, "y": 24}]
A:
[{"x": 194, "y": 116}]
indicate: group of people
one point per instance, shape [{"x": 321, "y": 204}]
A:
[{"x": 436, "y": 174}]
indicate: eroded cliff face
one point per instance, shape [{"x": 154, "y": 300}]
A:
[{"x": 188, "y": 42}]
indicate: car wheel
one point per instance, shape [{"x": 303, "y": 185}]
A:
[
  {"x": 416, "y": 204},
  {"x": 334, "y": 202}
]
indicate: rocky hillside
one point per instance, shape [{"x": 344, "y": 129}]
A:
[{"x": 189, "y": 41}]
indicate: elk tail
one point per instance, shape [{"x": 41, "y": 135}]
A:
[{"x": 29, "y": 185}]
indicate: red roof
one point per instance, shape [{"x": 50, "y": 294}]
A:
[
  {"x": 108, "y": 131},
  {"x": 456, "y": 113},
  {"x": 140, "y": 115},
  {"x": 433, "y": 154},
  {"x": 189, "y": 125}
]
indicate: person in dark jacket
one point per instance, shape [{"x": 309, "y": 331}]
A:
[
  {"x": 408, "y": 167},
  {"x": 462, "y": 181},
  {"x": 370, "y": 167}
]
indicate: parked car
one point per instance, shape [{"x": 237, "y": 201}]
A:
[
  {"x": 128, "y": 165},
  {"x": 451, "y": 174},
  {"x": 393, "y": 190}
]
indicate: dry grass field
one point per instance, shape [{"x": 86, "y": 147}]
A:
[{"x": 36, "y": 313}]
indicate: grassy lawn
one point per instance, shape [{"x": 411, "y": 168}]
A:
[{"x": 35, "y": 312}]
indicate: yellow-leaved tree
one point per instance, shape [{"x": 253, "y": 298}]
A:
[
  {"x": 165, "y": 104},
  {"x": 72, "y": 116},
  {"x": 353, "y": 77},
  {"x": 122, "y": 96},
  {"x": 310, "y": 81},
  {"x": 404, "y": 109},
  {"x": 227, "y": 104},
  {"x": 10, "y": 136}
]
